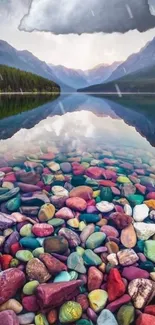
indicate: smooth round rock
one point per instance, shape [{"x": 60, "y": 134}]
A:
[
  {"x": 30, "y": 287},
  {"x": 26, "y": 230},
  {"x": 95, "y": 240},
  {"x": 106, "y": 318},
  {"x": 105, "y": 206},
  {"x": 141, "y": 290},
  {"x": 149, "y": 250},
  {"x": 29, "y": 243},
  {"x": 75, "y": 262},
  {"x": 36, "y": 270},
  {"x": 126, "y": 315},
  {"x": 62, "y": 276},
  {"x": 55, "y": 244},
  {"x": 42, "y": 230},
  {"x": 140, "y": 212},
  {"x": 91, "y": 259},
  {"x": 97, "y": 299},
  {"x": 26, "y": 319},
  {"x": 84, "y": 192},
  {"x": 12, "y": 304},
  {"x": 24, "y": 255},
  {"x": 128, "y": 237},
  {"x": 46, "y": 212},
  {"x": 70, "y": 312},
  {"x": 76, "y": 203}
]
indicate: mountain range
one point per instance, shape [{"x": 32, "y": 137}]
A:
[
  {"x": 136, "y": 74},
  {"x": 68, "y": 79}
]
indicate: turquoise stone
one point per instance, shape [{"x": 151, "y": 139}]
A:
[
  {"x": 95, "y": 240},
  {"x": 135, "y": 199},
  {"x": 91, "y": 259},
  {"x": 75, "y": 262},
  {"x": 140, "y": 245},
  {"x": 9, "y": 194},
  {"x": 62, "y": 276},
  {"x": 84, "y": 322},
  {"x": 29, "y": 243},
  {"x": 148, "y": 266},
  {"x": 13, "y": 204},
  {"x": 89, "y": 217},
  {"x": 106, "y": 194},
  {"x": 73, "y": 275}
]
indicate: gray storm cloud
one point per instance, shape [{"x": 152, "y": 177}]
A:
[{"x": 89, "y": 16}]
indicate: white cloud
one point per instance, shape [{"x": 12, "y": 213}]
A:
[{"x": 88, "y": 16}]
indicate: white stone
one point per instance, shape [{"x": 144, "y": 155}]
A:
[
  {"x": 105, "y": 206},
  {"x": 128, "y": 210},
  {"x": 140, "y": 212},
  {"x": 106, "y": 318},
  {"x": 144, "y": 230},
  {"x": 59, "y": 191},
  {"x": 112, "y": 259}
]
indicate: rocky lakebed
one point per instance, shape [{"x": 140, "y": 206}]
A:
[{"x": 77, "y": 236}]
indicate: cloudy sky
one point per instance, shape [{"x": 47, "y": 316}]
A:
[{"x": 73, "y": 33}]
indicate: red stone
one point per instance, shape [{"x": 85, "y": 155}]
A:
[
  {"x": 53, "y": 265},
  {"x": 10, "y": 177},
  {"x": 15, "y": 248},
  {"x": 52, "y": 295},
  {"x": 145, "y": 319},
  {"x": 48, "y": 156},
  {"x": 94, "y": 172},
  {"x": 121, "y": 220},
  {"x": 150, "y": 310},
  {"x": 95, "y": 278},
  {"x": 91, "y": 202},
  {"x": 76, "y": 203},
  {"x": 30, "y": 303},
  {"x": 83, "y": 301},
  {"x": 5, "y": 261},
  {"x": 42, "y": 230},
  {"x": 10, "y": 281},
  {"x": 141, "y": 188},
  {"x": 108, "y": 174},
  {"x": 115, "y": 285},
  {"x": 106, "y": 183}
]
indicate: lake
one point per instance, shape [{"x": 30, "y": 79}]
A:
[{"x": 77, "y": 181}]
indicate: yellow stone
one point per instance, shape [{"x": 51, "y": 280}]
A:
[
  {"x": 12, "y": 304},
  {"x": 82, "y": 225},
  {"x": 102, "y": 267},
  {"x": 97, "y": 299},
  {"x": 80, "y": 250},
  {"x": 123, "y": 179},
  {"x": 150, "y": 204},
  {"x": 46, "y": 212},
  {"x": 73, "y": 223},
  {"x": 96, "y": 193},
  {"x": 59, "y": 177},
  {"x": 85, "y": 164},
  {"x": 152, "y": 276}
]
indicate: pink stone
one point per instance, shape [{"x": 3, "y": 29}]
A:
[
  {"x": 141, "y": 188},
  {"x": 108, "y": 174},
  {"x": 10, "y": 281},
  {"x": 109, "y": 231},
  {"x": 10, "y": 177},
  {"x": 53, "y": 265},
  {"x": 8, "y": 317},
  {"x": 151, "y": 196},
  {"x": 94, "y": 172},
  {"x": 52, "y": 295},
  {"x": 132, "y": 272},
  {"x": 64, "y": 213},
  {"x": 30, "y": 303},
  {"x": 115, "y": 305},
  {"x": 42, "y": 230},
  {"x": 95, "y": 278}
]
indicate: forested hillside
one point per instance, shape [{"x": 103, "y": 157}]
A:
[{"x": 15, "y": 80}]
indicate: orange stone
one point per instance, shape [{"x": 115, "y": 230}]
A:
[
  {"x": 112, "y": 247},
  {"x": 128, "y": 236},
  {"x": 52, "y": 316},
  {"x": 150, "y": 204}
]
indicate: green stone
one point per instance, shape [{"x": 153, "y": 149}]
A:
[
  {"x": 106, "y": 194},
  {"x": 91, "y": 182},
  {"x": 14, "y": 262},
  {"x": 75, "y": 262},
  {"x": 98, "y": 199},
  {"x": 91, "y": 259},
  {"x": 80, "y": 250},
  {"x": 87, "y": 159},
  {"x": 24, "y": 255},
  {"x": 38, "y": 251},
  {"x": 74, "y": 275},
  {"x": 41, "y": 319},
  {"x": 83, "y": 322},
  {"x": 148, "y": 266},
  {"x": 140, "y": 245},
  {"x": 26, "y": 230},
  {"x": 13, "y": 204},
  {"x": 29, "y": 243},
  {"x": 70, "y": 312},
  {"x": 135, "y": 199},
  {"x": 3, "y": 190},
  {"x": 95, "y": 240},
  {"x": 149, "y": 250},
  {"x": 48, "y": 179},
  {"x": 78, "y": 180},
  {"x": 56, "y": 222},
  {"x": 9, "y": 194},
  {"x": 30, "y": 287},
  {"x": 89, "y": 217},
  {"x": 62, "y": 276},
  {"x": 126, "y": 315}
]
